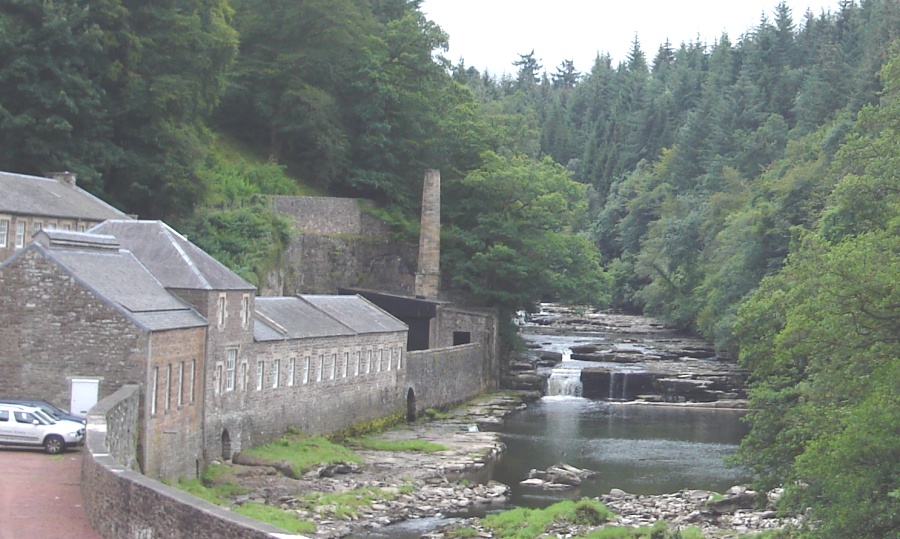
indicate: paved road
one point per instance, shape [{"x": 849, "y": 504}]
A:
[{"x": 40, "y": 496}]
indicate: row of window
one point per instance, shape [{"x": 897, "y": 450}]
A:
[
  {"x": 293, "y": 371},
  {"x": 19, "y": 240},
  {"x": 184, "y": 380},
  {"x": 245, "y": 311}
]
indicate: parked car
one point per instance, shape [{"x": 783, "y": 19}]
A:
[
  {"x": 30, "y": 426},
  {"x": 48, "y": 409}
]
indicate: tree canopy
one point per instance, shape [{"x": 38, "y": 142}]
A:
[{"x": 744, "y": 189}]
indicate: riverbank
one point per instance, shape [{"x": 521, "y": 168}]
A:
[{"x": 397, "y": 486}]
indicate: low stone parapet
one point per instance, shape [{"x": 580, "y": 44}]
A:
[{"x": 123, "y": 504}]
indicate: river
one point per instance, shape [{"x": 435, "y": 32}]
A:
[{"x": 640, "y": 449}]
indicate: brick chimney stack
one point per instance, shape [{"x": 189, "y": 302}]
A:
[
  {"x": 428, "y": 276},
  {"x": 66, "y": 177}
]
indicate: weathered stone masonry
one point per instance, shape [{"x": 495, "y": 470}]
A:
[
  {"x": 123, "y": 503},
  {"x": 55, "y": 329}
]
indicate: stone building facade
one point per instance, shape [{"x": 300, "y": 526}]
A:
[
  {"x": 218, "y": 368},
  {"x": 134, "y": 302},
  {"x": 75, "y": 306},
  {"x": 31, "y": 203}
]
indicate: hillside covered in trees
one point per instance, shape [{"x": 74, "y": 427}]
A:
[{"x": 745, "y": 189}]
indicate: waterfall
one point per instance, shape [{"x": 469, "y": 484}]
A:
[
  {"x": 564, "y": 381},
  {"x": 618, "y": 381}
]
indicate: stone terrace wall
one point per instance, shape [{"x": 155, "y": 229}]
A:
[
  {"x": 329, "y": 215},
  {"x": 123, "y": 504},
  {"x": 442, "y": 377},
  {"x": 338, "y": 245}
]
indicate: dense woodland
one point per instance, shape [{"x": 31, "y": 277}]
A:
[{"x": 746, "y": 189}]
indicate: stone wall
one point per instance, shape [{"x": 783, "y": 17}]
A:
[
  {"x": 123, "y": 504},
  {"x": 174, "y": 431},
  {"x": 315, "y": 264},
  {"x": 62, "y": 331},
  {"x": 329, "y": 215},
  {"x": 119, "y": 416},
  {"x": 259, "y": 410},
  {"x": 442, "y": 377},
  {"x": 338, "y": 244},
  {"x": 455, "y": 324}
]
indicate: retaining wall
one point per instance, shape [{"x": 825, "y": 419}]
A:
[
  {"x": 442, "y": 377},
  {"x": 123, "y": 504}
]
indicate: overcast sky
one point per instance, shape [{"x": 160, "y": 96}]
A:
[{"x": 493, "y": 33}]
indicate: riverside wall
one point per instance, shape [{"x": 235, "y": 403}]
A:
[
  {"x": 123, "y": 504},
  {"x": 443, "y": 377}
]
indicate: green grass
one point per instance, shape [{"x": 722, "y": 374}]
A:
[
  {"x": 619, "y": 532},
  {"x": 524, "y": 523},
  {"x": 219, "y": 495},
  {"x": 376, "y": 444},
  {"x": 348, "y": 504},
  {"x": 285, "y": 520},
  {"x": 305, "y": 452},
  {"x": 660, "y": 530},
  {"x": 463, "y": 533},
  {"x": 216, "y": 485},
  {"x": 433, "y": 414}
]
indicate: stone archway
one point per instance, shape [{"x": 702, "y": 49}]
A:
[
  {"x": 410, "y": 406},
  {"x": 226, "y": 445}
]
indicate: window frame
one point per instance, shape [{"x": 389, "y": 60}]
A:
[
  {"x": 20, "y": 234},
  {"x": 245, "y": 311},
  {"x": 4, "y": 233},
  {"x": 154, "y": 390},
  {"x": 231, "y": 356},
  {"x": 222, "y": 305}
]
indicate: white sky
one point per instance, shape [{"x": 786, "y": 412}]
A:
[{"x": 493, "y": 33}]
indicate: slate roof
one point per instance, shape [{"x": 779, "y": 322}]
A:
[
  {"x": 358, "y": 313},
  {"x": 33, "y": 195},
  {"x": 119, "y": 278},
  {"x": 170, "y": 257},
  {"x": 307, "y": 316},
  {"x": 293, "y": 318}
]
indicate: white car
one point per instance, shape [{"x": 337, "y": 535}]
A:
[{"x": 30, "y": 426}]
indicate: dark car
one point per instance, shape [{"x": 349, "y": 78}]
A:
[{"x": 48, "y": 408}]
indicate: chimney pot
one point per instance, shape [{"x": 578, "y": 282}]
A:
[{"x": 65, "y": 177}]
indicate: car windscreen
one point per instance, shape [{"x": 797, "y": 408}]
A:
[
  {"x": 50, "y": 412},
  {"x": 44, "y": 417}
]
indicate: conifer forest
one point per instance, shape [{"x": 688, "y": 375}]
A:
[{"x": 746, "y": 190}]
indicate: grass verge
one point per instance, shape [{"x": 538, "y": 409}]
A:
[
  {"x": 305, "y": 452},
  {"x": 275, "y": 516},
  {"x": 348, "y": 504},
  {"x": 524, "y": 523},
  {"x": 217, "y": 485},
  {"x": 376, "y": 444}
]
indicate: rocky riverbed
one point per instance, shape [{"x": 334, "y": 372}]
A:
[
  {"x": 417, "y": 485},
  {"x": 406, "y": 485},
  {"x": 626, "y": 358},
  {"x": 412, "y": 485}
]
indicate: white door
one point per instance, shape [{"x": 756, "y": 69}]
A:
[{"x": 84, "y": 395}]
